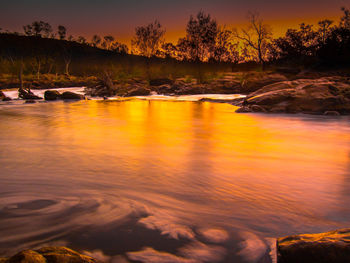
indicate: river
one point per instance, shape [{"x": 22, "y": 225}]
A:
[{"x": 144, "y": 180}]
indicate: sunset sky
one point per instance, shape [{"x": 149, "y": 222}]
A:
[{"x": 120, "y": 17}]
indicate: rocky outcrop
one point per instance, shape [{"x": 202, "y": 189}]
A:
[
  {"x": 328, "y": 96},
  {"x": 52, "y": 95},
  {"x": 49, "y": 255},
  {"x": 330, "y": 247},
  {"x": 68, "y": 95}
]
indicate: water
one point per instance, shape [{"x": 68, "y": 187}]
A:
[{"x": 168, "y": 181}]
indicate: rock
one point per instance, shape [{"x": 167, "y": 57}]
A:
[
  {"x": 167, "y": 89},
  {"x": 68, "y": 95},
  {"x": 138, "y": 91},
  {"x": 253, "y": 81},
  {"x": 52, "y": 95},
  {"x": 64, "y": 255},
  {"x": 301, "y": 96},
  {"x": 257, "y": 108},
  {"x": 191, "y": 89},
  {"x": 244, "y": 109},
  {"x": 332, "y": 113},
  {"x": 161, "y": 81},
  {"x": 27, "y": 95},
  {"x": 27, "y": 256},
  {"x": 330, "y": 247},
  {"x": 30, "y": 101},
  {"x": 49, "y": 255}
]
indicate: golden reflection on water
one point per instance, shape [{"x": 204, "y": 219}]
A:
[{"x": 215, "y": 162}]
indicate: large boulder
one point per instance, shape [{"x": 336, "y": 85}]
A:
[
  {"x": 49, "y": 255},
  {"x": 52, "y": 95},
  {"x": 68, "y": 95},
  {"x": 301, "y": 96},
  {"x": 329, "y": 247}
]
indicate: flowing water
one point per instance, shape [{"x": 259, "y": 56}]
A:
[{"x": 168, "y": 181}]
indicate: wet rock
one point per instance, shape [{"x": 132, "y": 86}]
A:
[
  {"x": 138, "y": 91},
  {"x": 326, "y": 247},
  {"x": 27, "y": 256},
  {"x": 49, "y": 255},
  {"x": 26, "y": 94},
  {"x": 52, "y": 95},
  {"x": 68, "y": 95},
  {"x": 64, "y": 255},
  {"x": 301, "y": 96},
  {"x": 257, "y": 108},
  {"x": 161, "y": 81}
]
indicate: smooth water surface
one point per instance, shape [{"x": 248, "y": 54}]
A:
[{"x": 168, "y": 181}]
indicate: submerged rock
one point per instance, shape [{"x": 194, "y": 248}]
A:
[
  {"x": 329, "y": 247},
  {"x": 49, "y": 255},
  {"x": 52, "y": 95},
  {"x": 68, "y": 95}
]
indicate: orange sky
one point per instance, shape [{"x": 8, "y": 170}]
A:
[{"x": 120, "y": 17}]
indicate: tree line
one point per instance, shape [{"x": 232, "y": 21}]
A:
[{"x": 326, "y": 43}]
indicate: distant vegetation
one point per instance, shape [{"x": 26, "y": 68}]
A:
[{"x": 206, "y": 50}]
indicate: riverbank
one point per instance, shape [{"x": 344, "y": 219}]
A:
[
  {"x": 267, "y": 92},
  {"x": 333, "y": 246}
]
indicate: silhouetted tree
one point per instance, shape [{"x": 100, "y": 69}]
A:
[
  {"x": 148, "y": 39},
  {"x": 38, "y": 28},
  {"x": 96, "y": 40},
  {"x": 345, "y": 19},
  {"x": 62, "y": 32},
  {"x": 256, "y": 36},
  {"x": 201, "y": 32},
  {"x": 184, "y": 49},
  {"x": 169, "y": 50},
  {"x": 108, "y": 40},
  {"x": 119, "y": 48},
  {"x": 297, "y": 44},
  {"x": 225, "y": 50},
  {"x": 81, "y": 40}
]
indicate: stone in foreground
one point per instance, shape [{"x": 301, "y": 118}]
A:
[
  {"x": 329, "y": 247},
  {"x": 49, "y": 255}
]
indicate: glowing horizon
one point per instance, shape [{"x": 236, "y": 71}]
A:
[{"x": 120, "y": 17}]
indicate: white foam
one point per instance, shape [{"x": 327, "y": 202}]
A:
[
  {"x": 201, "y": 252},
  {"x": 252, "y": 248},
  {"x": 97, "y": 254},
  {"x": 167, "y": 225},
  {"x": 214, "y": 235}
]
